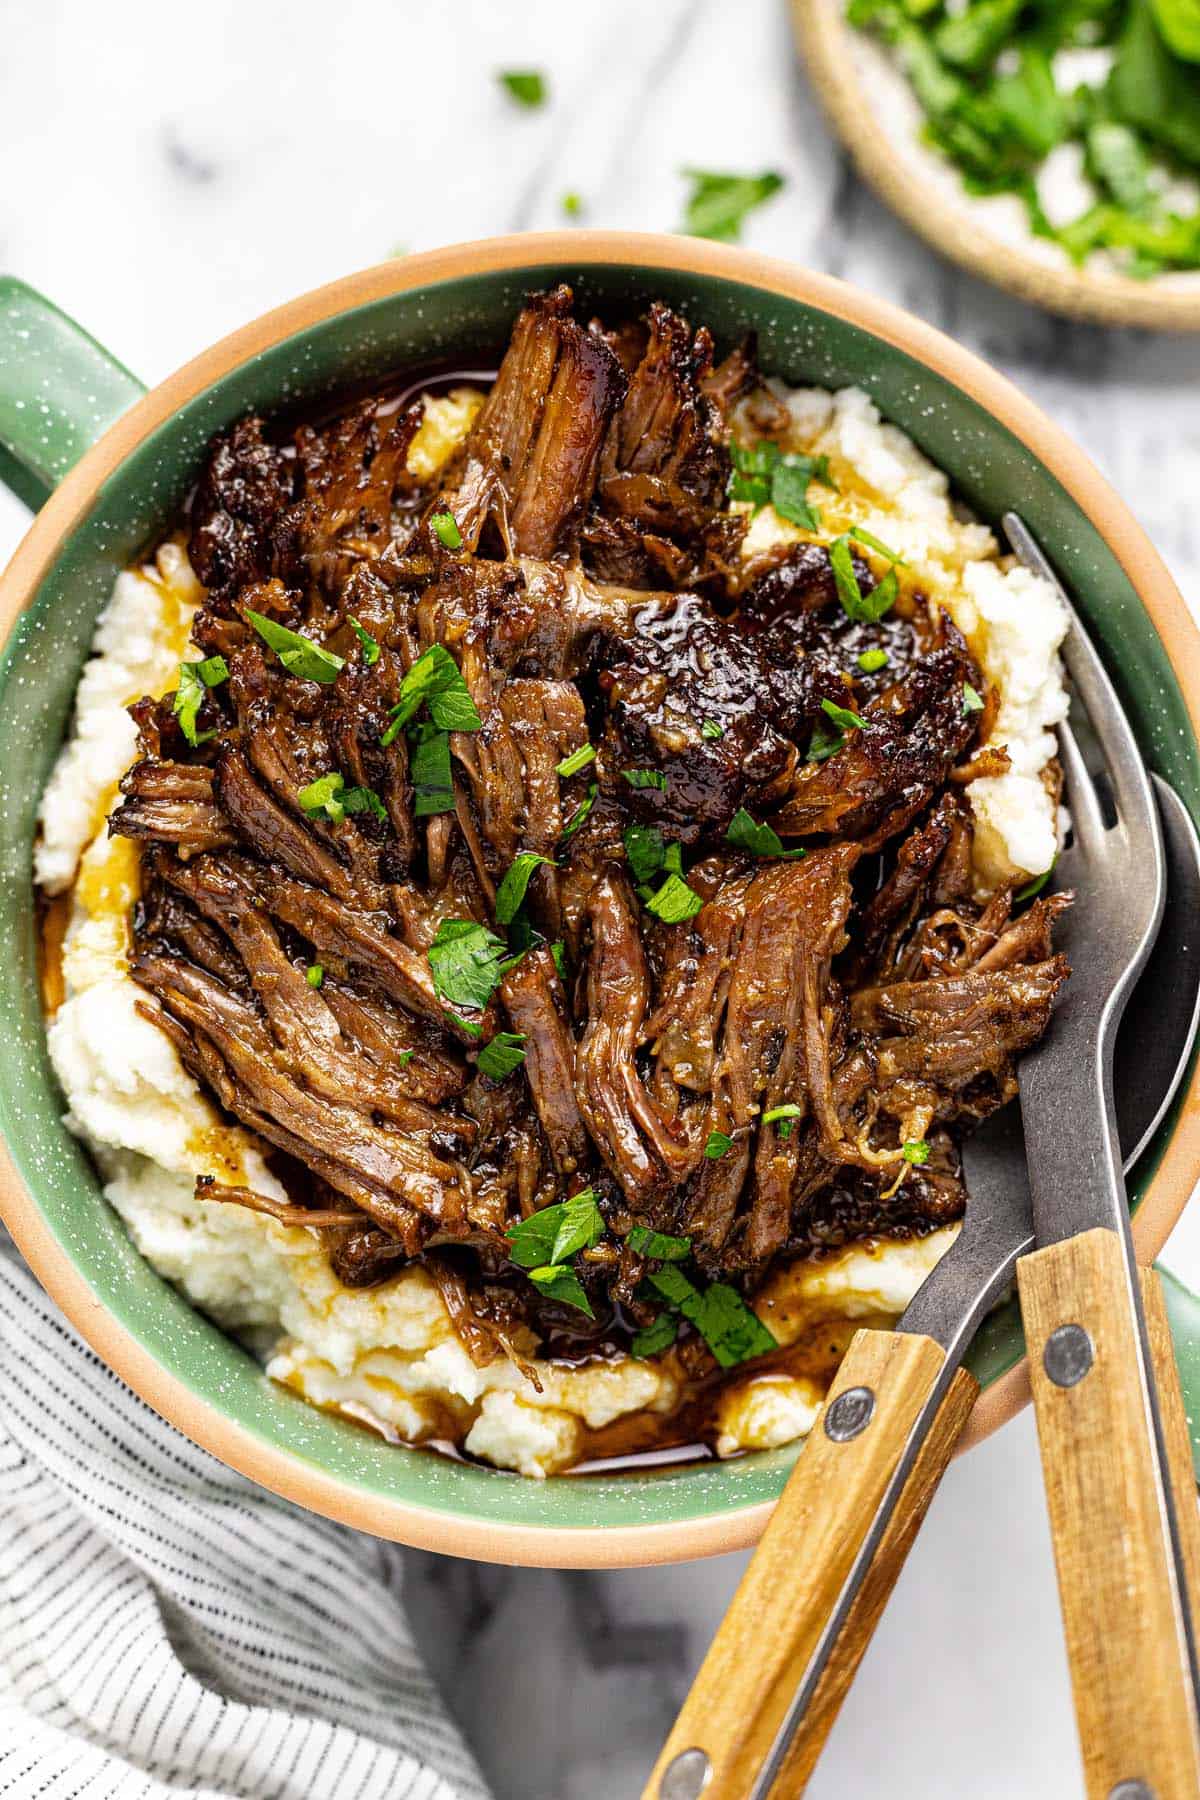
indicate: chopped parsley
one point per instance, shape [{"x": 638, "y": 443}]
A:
[
  {"x": 526, "y": 86},
  {"x": 572, "y": 204},
  {"x": 646, "y": 851},
  {"x": 916, "y": 1150},
  {"x": 825, "y": 742},
  {"x": 1033, "y": 888},
  {"x": 445, "y": 528},
  {"x": 674, "y": 901},
  {"x": 364, "y": 800},
  {"x": 429, "y": 770},
  {"x": 298, "y": 654},
  {"x": 644, "y": 778},
  {"x": 502, "y": 1054},
  {"x": 195, "y": 679},
  {"x": 972, "y": 702},
  {"x": 580, "y": 814},
  {"x": 315, "y": 975},
  {"x": 659, "y": 1244},
  {"x": 764, "y": 475},
  {"x": 653, "y": 1339},
  {"x": 324, "y": 795},
  {"x": 711, "y": 730},
  {"x": 718, "y": 203},
  {"x": 468, "y": 962},
  {"x": 578, "y": 759},
  {"x": 369, "y": 646},
  {"x": 871, "y": 661},
  {"x": 544, "y": 1242},
  {"x": 784, "y": 1117},
  {"x": 719, "y": 1144},
  {"x": 864, "y": 537},
  {"x": 728, "y": 1326},
  {"x": 745, "y": 833},
  {"x": 435, "y": 681},
  {"x": 864, "y": 609},
  {"x": 510, "y": 895},
  {"x": 843, "y": 716}
]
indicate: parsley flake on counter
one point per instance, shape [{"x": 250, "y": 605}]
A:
[
  {"x": 746, "y": 833},
  {"x": 298, "y": 654},
  {"x": 719, "y": 1144},
  {"x": 504, "y": 1053},
  {"x": 527, "y": 87},
  {"x": 871, "y": 661},
  {"x": 578, "y": 759},
  {"x": 916, "y": 1151},
  {"x": 718, "y": 203},
  {"x": 195, "y": 679},
  {"x": 368, "y": 644},
  {"x": 659, "y": 1244},
  {"x": 314, "y": 975},
  {"x": 653, "y": 1339},
  {"x": 510, "y": 895},
  {"x": 467, "y": 961}
]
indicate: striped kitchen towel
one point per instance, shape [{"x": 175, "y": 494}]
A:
[{"x": 166, "y": 1627}]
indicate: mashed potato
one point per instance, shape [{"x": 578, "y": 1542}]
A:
[{"x": 388, "y": 1356}]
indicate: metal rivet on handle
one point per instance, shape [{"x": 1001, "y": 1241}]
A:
[
  {"x": 1132, "y": 1790},
  {"x": 1068, "y": 1356},
  {"x": 850, "y": 1413},
  {"x": 686, "y": 1776}
]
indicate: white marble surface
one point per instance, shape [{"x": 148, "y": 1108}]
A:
[{"x": 168, "y": 173}]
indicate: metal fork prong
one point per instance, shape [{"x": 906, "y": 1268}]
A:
[
  {"x": 1126, "y": 765},
  {"x": 1087, "y": 817}
]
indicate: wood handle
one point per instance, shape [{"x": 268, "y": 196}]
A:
[
  {"x": 1134, "y": 1701},
  {"x": 759, "y": 1656}
]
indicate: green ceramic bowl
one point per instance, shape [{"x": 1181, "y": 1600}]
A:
[{"x": 59, "y": 393}]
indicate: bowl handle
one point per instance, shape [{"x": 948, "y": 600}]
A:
[{"x": 59, "y": 391}]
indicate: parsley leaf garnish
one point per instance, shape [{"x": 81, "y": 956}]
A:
[
  {"x": 916, "y": 1150},
  {"x": 195, "y": 678},
  {"x": 764, "y": 475},
  {"x": 502, "y": 1055},
  {"x": 719, "y": 1144},
  {"x": 674, "y": 901},
  {"x": 1033, "y": 888},
  {"x": 324, "y": 795},
  {"x": 468, "y": 962},
  {"x": 728, "y": 1326},
  {"x": 864, "y": 609},
  {"x": 870, "y": 661},
  {"x": 314, "y": 975},
  {"x": 435, "y": 681},
  {"x": 972, "y": 701},
  {"x": 784, "y": 1117},
  {"x": 546, "y": 1240},
  {"x": 561, "y": 1284},
  {"x": 370, "y": 647},
  {"x": 510, "y": 894},
  {"x": 645, "y": 850},
  {"x": 718, "y": 202},
  {"x": 745, "y": 833},
  {"x": 711, "y": 730},
  {"x": 445, "y": 528},
  {"x": 825, "y": 742},
  {"x": 429, "y": 770},
  {"x": 659, "y": 1244},
  {"x": 864, "y": 537},
  {"x": 843, "y": 716},
  {"x": 644, "y": 778},
  {"x": 653, "y": 1339},
  {"x": 580, "y": 814},
  {"x": 578, "y": 759},
  {"x": 527, "y": 86},
  {"x": 298, "y": 654}
]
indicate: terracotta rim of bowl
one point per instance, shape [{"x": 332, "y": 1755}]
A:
[
  {"x": 952, "y": 226},
  {"x": 560, "y": 1546}
]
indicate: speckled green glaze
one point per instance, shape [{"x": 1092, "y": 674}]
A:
[{"x": 465, "y": 321}]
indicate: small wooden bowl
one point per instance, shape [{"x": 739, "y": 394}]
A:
[{"x": 927, "y": 194}]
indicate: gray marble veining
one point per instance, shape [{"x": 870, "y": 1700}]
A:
[{"x": 170, "y": 173}]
